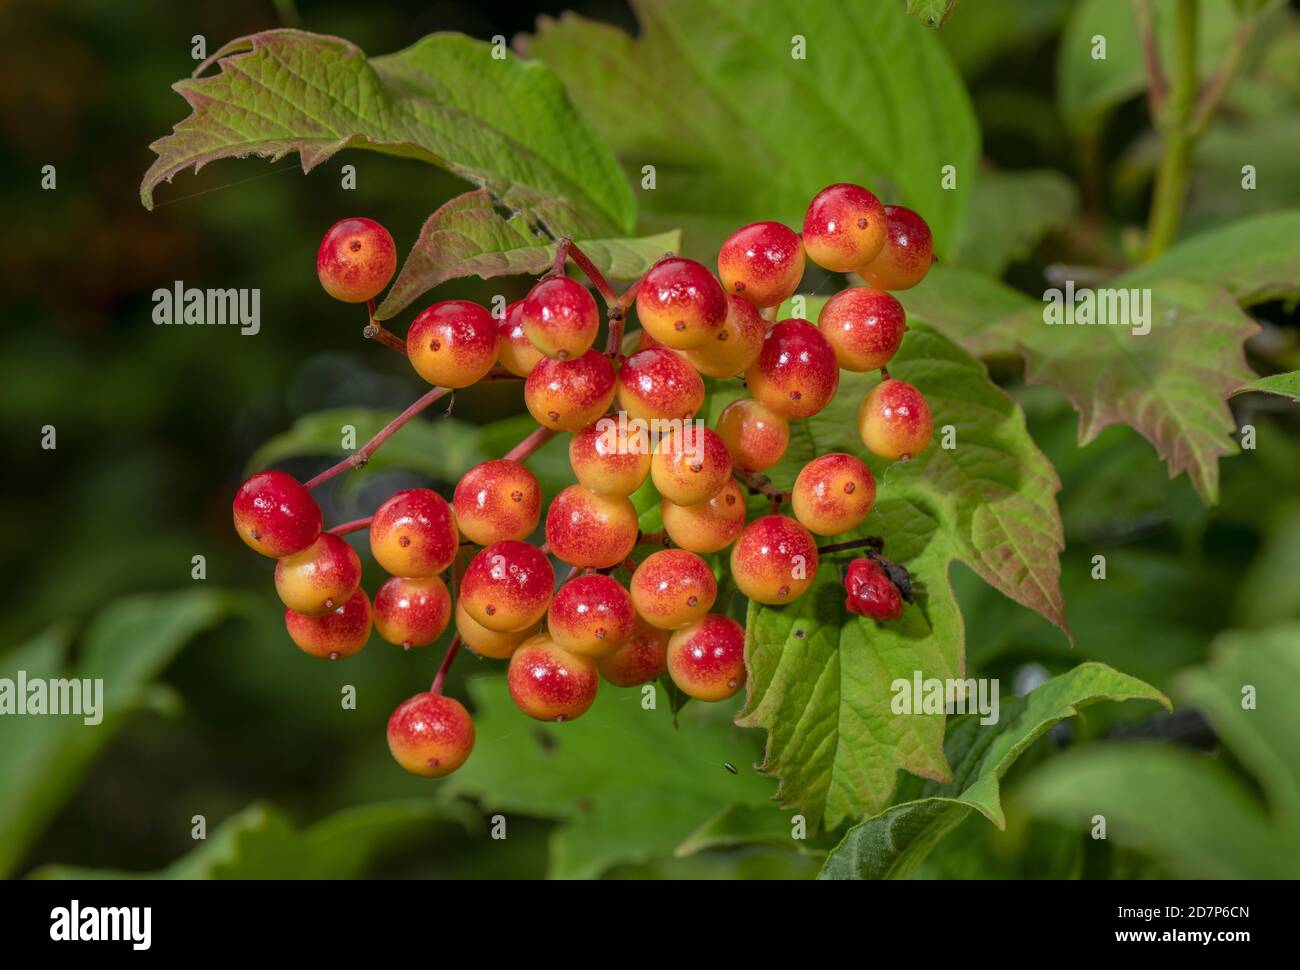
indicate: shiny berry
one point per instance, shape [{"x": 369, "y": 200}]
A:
[
  {"x": 774, "y": 561},
  {"x": 430, "y": 735},
  {"x": 412, "y": 612},
  {"x": 508, "y": 586},
  {"x": 672, "y": 588},
  {"x": 589, "y": 530},
  {"x": 869, "y": 592},
  {"x": 658, "y": 383},
  {"x": 864, "y": 326},
  {"x": 691, "y": 465},
  {"x": 560, "y": 318},
  {"x": 453, "y": 343},
  {"x": 276, "y": 515},
  {"x": 607, "y": 462},
  {"x": 706, "y": 526},
  {"x": 516, "y": 352},
  {"x": 642, "y": 659},
  {"x": 762, "y": 262},
  {"x": 356, "y": 259},
  {"x": 591, "y": 615},
  {"x": 338, "y": 633},
  {"x": 706, "y": 660},
  {"x": 755, "y": 434},
  {"x": 549, "y": 683},
  {"x": 735, "y": 347},
  {"x": 680, "y": 304},
  {"x": 895, "y": 421},
  {"x": 492, "y": 644},
  {"x": 796, "y": 373},
  {"x": 413, "y": 534},
  {"x": 844, "y": 227},
  {"x": 568, "y": 395},
  {"x": 496, "y": 500},
  {"x": 833, "y": 494},
  {"x": 906, "y": 256},
  {"x": 320, "y": 578}
]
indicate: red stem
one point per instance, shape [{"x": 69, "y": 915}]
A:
[
  {"x": 452, "y": 649},
  {"x": 374, "y": 330},
  {"x": 356, "y": 525},
  {"x": 526, "y": 448},
  {"x": 360, "y": 457}
]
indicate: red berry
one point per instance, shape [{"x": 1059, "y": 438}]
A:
[
  {"x": 774, "y": 561},
  {"x": 844, "y": 227},
  {"x": 796, "y": 373},
  {"x": 453, "y": 343},
  {"x": 895, "y": 421},
  {"x": 516, "y": 352},
  {"x": 356, "y": 259},
  {"x": 492, "y": 644},
  {"x": 691, "y": 465},
  {"x": 643, "y": 658},
  {"x": 707, "y": 659},
  {"x": 568, "y": 395},
  {"x": 508, "y": 586},
  {"x": 762, "y": 262},
  {"x": 319, "y": 578},
  {"x": 560, "y": 318},
  {"x": 658, "y": 383},
  {"x": 414, "y": 534},
  {"x": 549, "y": 683},
  {"x": 706, "y": 526},
  {"x": 276, "y": 515},
  {"x": 496, "y": 500},
  {"x": 755, "y": 434},
  {"x": 907, "y": 254},
  {"x": 607, "y": 465},
  {"x": 338, "y": 633},
  {"x": 833, "y": 494},
  {"x": 672, "y": 588},
  {"x": 412, "y": 612},
  {"x": 869, "y": 592},
  {"x": 864, "y": 326},
  {"x": 680, "y": 304},
  {"x": 430, "y": 735},
  {"x": 589, "y": 530},
  {"x": 735, "y": 347},
  {"x": 591, "y": 615}
]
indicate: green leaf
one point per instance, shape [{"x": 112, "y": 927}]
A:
[
  {"x": 128, "y": 644},
  {"x": 738, "y": 129},
  {"x": 819, "y": 677},
  {"x": 1009, "y": 213},
  {"x": 469, "y": 236},
  {"x": 502, "y": 124},
  {"x": 1284, "y": 385},
  {"x": 933, "y": 13},
  {"x": 892, "y": 844}
]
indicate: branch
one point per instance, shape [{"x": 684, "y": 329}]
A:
[
  {"x": 374, "y": 330},
  {"x": 1156, "y": 87},
  {"x": 760, "y": 485},
  {"x": 356, "y": 525},
  {"x": 360, "y": 457},
  {"x": 1176, "y": 135},
  {"x": 1222, "y": 77},
  {"x": 875, "y": 543}
]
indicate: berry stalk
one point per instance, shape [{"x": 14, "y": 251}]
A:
[
  {"x": 359, "y": 458},
  {"x": 452, "y": 649},
  {"x": 356, "y": 525},
  {"x": 376, "y": 331},
  {"x": 529, "y": 446}
]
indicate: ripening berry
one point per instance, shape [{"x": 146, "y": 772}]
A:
[
  {"x": 680, "y": 304},
  {"x": 568, "y": 395},
  {"x": 412, "y": 612},
  {"x": 894, "y": 420},
  {"x": 755, "y": 435},
  {"x": 591, "y": 615},
  {"x": 642, "y": 659},
  {"x": 672, "y": 588},
  {"x": 589, "y": 530},
  {"x": 356, "y": 259},
  {"x": 276, "y": 515},
  {"x": 706, "y": 526},
  {"x": 833, "y": 494},
  {"x": 338, "y": 633},
  {"x": 658, "y": 383},
  {"x": 906, "y": 256},
  {"x": 605, "y": 465},
  {"x": 869, "y": 591},
  {"x": 844, "y": 227},
  {"x": 549, "y": 683},
  {"x": 319, "y": 578},
  {"x": 560, "y": 318},
  {"x": 496, "y": 500},
  {"x": 453, "y": 343},
  {"x": 864, "y": 326},
  {"x": 430, "y": 735},
  {"x": 774, "y": 561},
  {"x": 761, "y": 262},
  {"x": 735, "y": 347},
  {"x": 491, "y": 644},
  {"x": 507, "y": 586},
  {"x": 516, "y": 352},
  {"x": 414, "y": 534},
  {"x": 796, "y": 373},
  {"x": 707, "y": 659},
  {"x": 690, "y": 465}
]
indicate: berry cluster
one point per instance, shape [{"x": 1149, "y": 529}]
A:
[{"x": 468, "y": 562}]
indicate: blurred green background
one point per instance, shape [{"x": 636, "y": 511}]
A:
[{"x": 156, "y": 426}]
